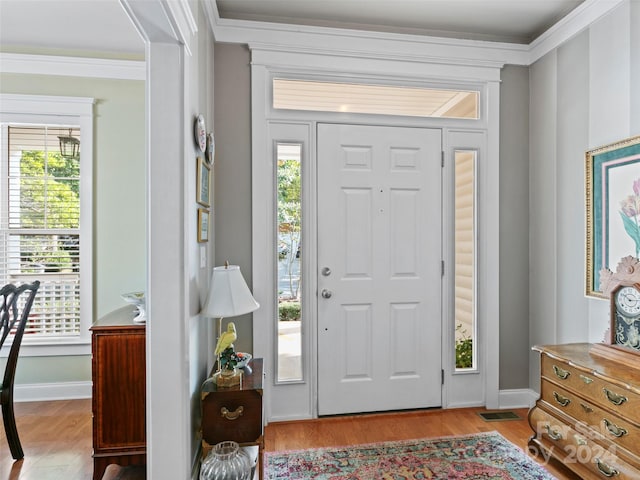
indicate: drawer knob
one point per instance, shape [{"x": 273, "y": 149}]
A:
[
  {"x": 614, "y": 429},
  {"x": 613, "y": 397},
  {"x": 561, "y": 373},
  {"x": 606, "y": 470},
  {"x": 237, "y": 413},
  {"x": 562, "y": 401},
  {"x": 553, "y": 434}
]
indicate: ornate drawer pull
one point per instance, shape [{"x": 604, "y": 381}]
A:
[
  {"x": 614, "y": 429},
  {"x": 232, "y": 415},
  {"x": 586, "y": 408},
  {"x": 553, "y": 434},
  {"x": 560, "y": 373},
  {"x": 606, "y": 470},
  {"x": 614, "y": 398},
  {"x": 562, "y": 401},
  {"x": 586, "y": 379}
]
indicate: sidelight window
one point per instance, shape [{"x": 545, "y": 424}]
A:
[
  {"x": 465, "y": 259},
  {"x": 289, "y": 255}
]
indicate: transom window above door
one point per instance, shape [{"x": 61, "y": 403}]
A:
[{"x": 375, "y": 99}]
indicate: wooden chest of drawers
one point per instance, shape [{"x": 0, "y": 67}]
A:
[
  {"x": 588, "y": 414},
  {"x": 234, "y": 413},
  {"x": 119, "y": 391}
]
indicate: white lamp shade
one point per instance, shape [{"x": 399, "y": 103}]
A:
[{"x": 229, "y": 294}]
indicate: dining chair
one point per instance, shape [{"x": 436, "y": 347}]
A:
[{"x": 16, "y": 302}]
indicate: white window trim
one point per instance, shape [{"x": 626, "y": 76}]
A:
[{"x": 41, "y": 109}]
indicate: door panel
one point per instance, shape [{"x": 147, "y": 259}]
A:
[{"x": 379, "y": 233}]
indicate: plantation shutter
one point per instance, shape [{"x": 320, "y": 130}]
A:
[
  {"x": 40, "y": 228},
  {"x": 464, "y": 242}
]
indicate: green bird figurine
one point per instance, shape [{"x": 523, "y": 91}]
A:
[{"x": 226, "y": 339}]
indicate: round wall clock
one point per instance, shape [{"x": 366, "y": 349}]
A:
[{"x": 200, "y": 133}]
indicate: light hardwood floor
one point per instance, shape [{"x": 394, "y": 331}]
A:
[{"x": 56, "y": 436}]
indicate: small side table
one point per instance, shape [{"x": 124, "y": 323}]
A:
[{"x": 234, "y": 413}]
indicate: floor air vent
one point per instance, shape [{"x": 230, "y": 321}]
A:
[{"x": 498, "y": 416}]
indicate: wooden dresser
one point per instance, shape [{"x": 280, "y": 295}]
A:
[
  {"x": 119, "y": 385},
  {"x": 588, "y": 414}
]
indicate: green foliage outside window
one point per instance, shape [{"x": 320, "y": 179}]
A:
[
  {"x": 289, "y": 311},
  {"x": 464, "y": 348},
  {"x": 49, "y": 199},
  {"x": 49, "y": 191}
]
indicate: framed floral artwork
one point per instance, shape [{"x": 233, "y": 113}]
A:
[
  {"x": 202, "y": 183},
  {"x": 613, "y": 208}
]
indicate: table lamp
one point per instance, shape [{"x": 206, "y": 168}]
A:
[{"x": 229, "y": 296}]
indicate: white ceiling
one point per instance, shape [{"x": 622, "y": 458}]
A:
[{"x": 101, "y": 27}]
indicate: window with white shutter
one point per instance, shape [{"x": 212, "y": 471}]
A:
[
  {"x": 465, "y": 259},
  {"x": 42, "y": 230}
]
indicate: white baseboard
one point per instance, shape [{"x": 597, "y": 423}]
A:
[
  {"x": 517, "y": 398},
  {"x": 37, "y": 392}
]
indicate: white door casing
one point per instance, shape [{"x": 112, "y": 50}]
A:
[
  {"x": 379, "y": 234},
  {"x": 299, "y": 400}
]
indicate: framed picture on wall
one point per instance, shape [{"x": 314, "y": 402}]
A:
[
  {"x": 203, "y": 225},
  {"x": 613, "y": 208},
  {"x": 202, "y": 183}
]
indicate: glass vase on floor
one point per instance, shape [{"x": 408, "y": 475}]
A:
[{"x": 226, "y": 461}]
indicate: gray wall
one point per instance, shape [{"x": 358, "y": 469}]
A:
[
  {"x": 583, "y": 94},
  {"x": 579, "y": 96},
  {"x": 199, "y": 97},
  {"x": 514, "y": 227},
  {"x": 232, "y": 170},
  {"x": 119, "y": 203},
  {"x": 233, "y": 197}
]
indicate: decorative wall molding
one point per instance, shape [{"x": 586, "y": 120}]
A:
[
  {"x": 183, "y": 21},
  {"x": 578, "y": 20},
  {"x": 367, "y": 44},
  {"x": 72, "y": 66},
  {"x": 416, "y": 47},
  {"x": 307, "y": 39}
]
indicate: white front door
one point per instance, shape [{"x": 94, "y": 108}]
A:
[{"x": 379, "y": 268}]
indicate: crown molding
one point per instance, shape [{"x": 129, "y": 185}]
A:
[
  {"x": 323, "y": 40},
  {"x": 72, "y": 66},
  {"x": 578, "y": 20},
  {"x": 368, "y": 44},
  {"x": 371, "y": 44}
]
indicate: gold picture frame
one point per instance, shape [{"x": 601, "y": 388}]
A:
[
  {"x": 612, "y": 190},
  {"x": 203, "y": 225},
  {"x": 203, "y": 181}
]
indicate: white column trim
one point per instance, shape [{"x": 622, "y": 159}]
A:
[{"x": 169, "y": 435}]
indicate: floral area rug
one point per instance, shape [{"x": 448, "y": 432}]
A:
[{"x": 479, "y": 456}]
